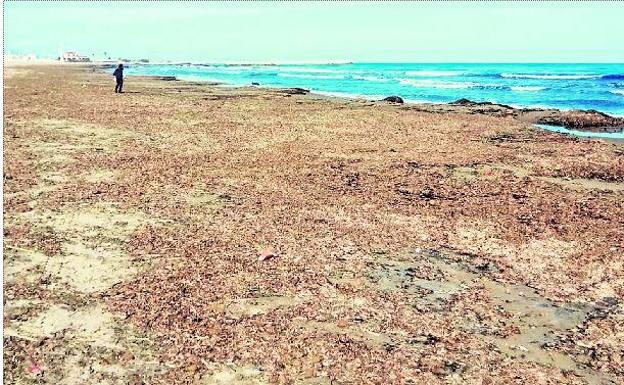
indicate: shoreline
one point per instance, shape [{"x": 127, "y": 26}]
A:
[
  {"x": 590, "y": 121},
  {"x": 572, "y": 119},
  {"x": 554, "y": 98}
]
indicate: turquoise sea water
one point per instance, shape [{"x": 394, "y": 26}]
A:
[{"x": 564, "y": 86}]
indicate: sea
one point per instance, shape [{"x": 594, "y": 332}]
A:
[{"x": 564, "y": 86}]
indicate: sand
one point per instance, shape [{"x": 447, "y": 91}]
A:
[{"x": 406, "y": 247}]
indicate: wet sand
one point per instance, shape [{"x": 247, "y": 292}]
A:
[{"x": 187, "y": 233}]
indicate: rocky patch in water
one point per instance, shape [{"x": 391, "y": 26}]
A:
[{"x": 584, "y": 120}]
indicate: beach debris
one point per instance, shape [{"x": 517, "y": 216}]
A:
[
  {"x": 393, "y": 99},
  {"x": 255, "y": 83},
  {"x": 426, "y": 194},
  {"x": 164, "y": 78},
  {"x": 267, "y": 253},
  {"x": 342, "y": 323},
  {"x": 34, "y": 368}
]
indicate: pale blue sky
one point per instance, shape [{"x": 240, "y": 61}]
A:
[{"x": 323, "y": 31}]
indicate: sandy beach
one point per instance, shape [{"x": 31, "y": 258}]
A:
[{"x": 184, "y": 233}]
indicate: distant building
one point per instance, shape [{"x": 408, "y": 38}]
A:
[{"x": 72, "y": 56}]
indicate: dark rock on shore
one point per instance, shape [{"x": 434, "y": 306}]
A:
[
  {"x": 470, "y": 103},
  {"x": 463, "y": 102},
  {"x": 295, "y": 91},
  {"x": 166, "y": 78},
  {"x": 393, "y": 99},
  {"x": 255, "y": 83}
]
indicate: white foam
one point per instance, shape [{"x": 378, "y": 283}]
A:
[
  {"x": 369, "y": 78},
  {"x": 310, "y": 70},
  {"x": 527, "y": 88},
  {"x": 303, "y": 76},
  {"x": 222, "y": 70},
  {"x": 346, "y": 95},
  {"x": 436, "y": 84},
  {"x": 433, "y": 73},
  {"x": 617, "y": 92},
  {"x": 336, "y": 94},
  {"x": 419, "y": 101},
  {"x": 196, "y": 78},
  {"x": 551, "y": 77}
]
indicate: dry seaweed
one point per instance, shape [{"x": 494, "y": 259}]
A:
[{"x": 263, "y": 240}]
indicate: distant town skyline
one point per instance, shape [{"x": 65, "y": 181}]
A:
[{"x": 319, "y": 32}]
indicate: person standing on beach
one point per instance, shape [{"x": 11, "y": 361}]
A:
[{"x": 118, "y": 74}]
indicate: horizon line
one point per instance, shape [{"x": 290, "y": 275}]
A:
[{"x": 309, "y": 62}]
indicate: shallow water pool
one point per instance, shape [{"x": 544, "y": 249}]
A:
[{"x": 582, "y": 134}]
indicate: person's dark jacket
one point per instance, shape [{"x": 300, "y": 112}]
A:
[{"x": 118, "y": 73}]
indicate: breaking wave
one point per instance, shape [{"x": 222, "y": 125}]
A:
[
  {"x": 436, "y": 84},
  {"x": 549, "y": 77},
  {"x": 369, "y": 78},
  {"x": 304, "y": 76},
  {"x": 310, "y": 70},
  {"x": 527, "y": 88},
  {"x": 433, "y": 73},
  {"x": 562, "y": 76}
]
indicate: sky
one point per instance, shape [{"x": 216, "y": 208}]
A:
[{"x": 320, "y": 31}]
